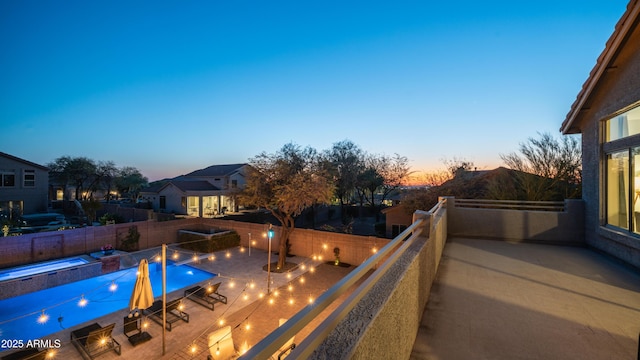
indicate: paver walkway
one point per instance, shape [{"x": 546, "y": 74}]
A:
[{"x": 500, "y": 300}]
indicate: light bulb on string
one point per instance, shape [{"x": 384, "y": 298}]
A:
[
  {"x": 113, "y": 287},
  {"x": 43, "y": 318},
  {"x": 83, "y": 301}
]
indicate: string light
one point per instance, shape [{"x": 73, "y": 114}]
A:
[
  {"x": 175, "y": 255},
  {"x": 221, "y": 322},
  {"x": 193, "y": 348},
  {"x": 228, "y": 254},
  {"x": 245, "y": 297},
  {"x": 241, "y": 249},
  {"x": 247, "y": 327},
  {"x": 301, "y": 280},
  {"x": 311, "y": 299},
  {"x": 374, "y": 250},
  {"x": 324, "y": 246},
  {"x": 82, "y": 302},
  {"x": 303, "y": 267},
  {"x": 195, "y": 257},
  {"x": 291, "y": 301},
  {"x": 43, "y": 318},
  {"x": 290, "y": 287},
  {"x": 218, "y": 350},
  {"x": 158, "y": 258},
  {"x": 113, "y": 287},
  {"x": 252, "y": 285},
  {"x": 212, "y": 257},
  {"x": 312, "y": 269},
  {"x": 232, "y": 284},
  {"x": 261, "y": 295}
]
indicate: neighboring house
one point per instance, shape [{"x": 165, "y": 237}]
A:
[
  {"x": 607, "y": 114},
  {"x": 206, "y": 192},
  {"x": 23, "y": 186},
  {"x": 397, "y": 219}
]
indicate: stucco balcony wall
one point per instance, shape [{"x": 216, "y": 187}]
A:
[{"x": 565, "y": 227}]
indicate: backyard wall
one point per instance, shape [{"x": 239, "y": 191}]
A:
[{"x": 31, "y": 248}]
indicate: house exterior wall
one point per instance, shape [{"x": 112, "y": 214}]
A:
[
  {"x": 618, "y": 89},
  {"x": 174, "y": 200},
  {"x": 34, "y": 199}
]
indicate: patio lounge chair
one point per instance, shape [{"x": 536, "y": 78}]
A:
[
  {"x": 174, "y": 312},
  {"x": 221, "y": 345},
  {"x": 27, "y": 354},
  {"x": 286, "y": 348},
  {"x": 95, "y": 340},
  {"x": 133, "y": 331},
  {"x": 206, "y": 297}
]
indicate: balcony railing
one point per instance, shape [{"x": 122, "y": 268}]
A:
[{"x": 395, "y": 268}]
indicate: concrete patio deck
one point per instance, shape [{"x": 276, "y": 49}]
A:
[{"x": 501, "y": 300}]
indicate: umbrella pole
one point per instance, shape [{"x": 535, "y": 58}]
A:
[{"x": 164, "y": 295}]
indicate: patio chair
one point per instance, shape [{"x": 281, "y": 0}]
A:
[
  {"x": 27, "y": 354},
  {"x": 174, "y": 312},
  {"x": 286, "y": 348},
  {"x": 133, "y": 331},
  {"x": 206, "y": 297},
  {"x": 95, "y": 340},
  {"x": 221, "y": 346}
]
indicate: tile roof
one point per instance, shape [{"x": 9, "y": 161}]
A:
[
  {"x": 216, "y": 170},
  {"x": 27, "y": 162},
  {"x": 625, "y": 26}
]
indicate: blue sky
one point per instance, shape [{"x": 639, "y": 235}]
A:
[{"x": 170, "y": 87}]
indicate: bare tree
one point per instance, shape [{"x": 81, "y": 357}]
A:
[
  {"x": 344, "y": 162},
  {"x": 286, "y": 183},
  {"x": 556, "y": 164}
]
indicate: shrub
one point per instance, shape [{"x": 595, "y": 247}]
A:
[{"x": 200, "y": 243}]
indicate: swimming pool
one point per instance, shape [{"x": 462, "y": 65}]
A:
[
  {"x": 19, "y": 315},
  {"x": 34, "y": 269}
]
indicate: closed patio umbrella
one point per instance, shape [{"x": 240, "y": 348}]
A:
[{"x": 142, "y": 296}]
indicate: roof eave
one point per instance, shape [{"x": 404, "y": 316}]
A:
[{"x": 613, "y": 44}]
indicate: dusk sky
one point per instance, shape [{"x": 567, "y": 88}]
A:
[{"x": 172, "y": 87}]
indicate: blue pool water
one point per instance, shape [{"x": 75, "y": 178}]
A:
[
  {"x": 40, "y": 268},
  {"x": 19, "y": 315}
]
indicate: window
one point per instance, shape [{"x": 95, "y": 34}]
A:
[
  {"x": 622, "y": 176},
  {"x": 7, "y": 178},
  {"x": 163, "y": 202},
  {"x": 29, "y": 179},
  {"x": 234, "y": 184},
  {"x": 624, "y": 125}
]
